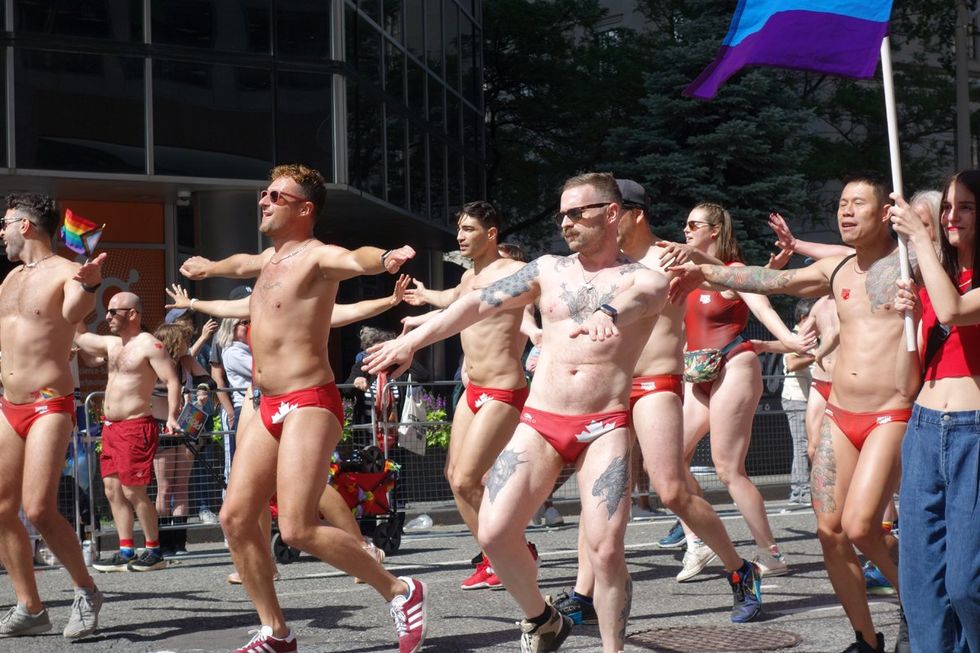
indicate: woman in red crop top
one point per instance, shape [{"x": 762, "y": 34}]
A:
[
  {"x": 939, "y": 551},
  {"x": 726, "y": 406}
]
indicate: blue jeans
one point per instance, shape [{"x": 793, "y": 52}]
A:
[{"x": 939, "y": 546}]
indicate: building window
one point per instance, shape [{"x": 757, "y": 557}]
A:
[
  {"x": 304, "y": 120},
  {"x": 303, "y": 29},
  {"x": 396, "y": 161},
  {"x": 228, "y": 26},
  {"x": 212, "y": 120},
  {"x": 110, "y": 20},
  {"x": 433, "y": 35},
  {"x": 365, "y": 130},
  {"x": 62, "y": 100}
]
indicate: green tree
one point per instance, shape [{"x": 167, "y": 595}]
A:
[{"x": 555, "y": 84}]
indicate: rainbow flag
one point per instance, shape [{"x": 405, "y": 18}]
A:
[
  {"x": 837, "y": 37},
  {"x": 80, "y": 234}
]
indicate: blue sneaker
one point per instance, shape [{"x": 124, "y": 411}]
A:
[
  {"x": 747, "y": 592},
  {"x": 574, "y": 608},
  {"x": 875, "y": 581},
  {"x": 674, "y": 539}
]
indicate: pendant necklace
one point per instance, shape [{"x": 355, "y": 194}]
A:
[
  {"x": 292, "y": 253},
  {"x": 34, "y": 264},
  {"x": 588, "y": 282}
]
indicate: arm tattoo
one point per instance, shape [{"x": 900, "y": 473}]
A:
[
  {"x": 627, "y": 608},
  {"x": 504, "y": 467},
  {"x": 880, "y": 281},
  {"x": 823, "y": 478},
  {"x": 512, "y": 286},
  {"x": 750, "y": 279},
  {"x": 628, "y": 265},
  {"x": 612, "y": 484},
  {"x": 583, "y": 302}
]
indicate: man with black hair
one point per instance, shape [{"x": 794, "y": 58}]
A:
[
  {"x": 494, "y": 376},
  {"x": 41, "y": 300},
  {"x": 856, "y": 466}
]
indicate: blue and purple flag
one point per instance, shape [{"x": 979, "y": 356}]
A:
[{"x": 837, "y": 37}]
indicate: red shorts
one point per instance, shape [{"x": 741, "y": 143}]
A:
[
  {"x": 128, "y": 448},
  {"x": 477, "y": 396},
  {"x": 648, "y": 385},
  {"x": 823, "y": 387},
  {"x": 856, "y": 427},
  {"x": 273, "y": 409},
  {"x": 733, "y": 352},
  {"x": 22, "y": 416},
  {"x": 569, "y": 435}
]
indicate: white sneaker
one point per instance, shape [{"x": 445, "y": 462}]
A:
[
  {"x": 771, "y": 562},
  {"x": 696, "y": 558},
  {"x": 207, "y": 517},
  {"x": 552, "y": 517}
]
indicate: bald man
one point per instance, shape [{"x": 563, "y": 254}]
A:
[{"x": 130, "y": 433}]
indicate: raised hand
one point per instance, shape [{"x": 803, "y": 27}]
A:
[
  {"x": 393, "y": 356},
  {"x": 415, "y": 296},
  {"x": 784, "y": 237},
  {"x": 689, "y": 277},
  {"x": 179, "y": 297},
  {"x": 674, "y": 253},
  {"x": 779, "y": 260},
  {"x": 209, "y": 328},
  {"x": 400, "y": 287},
  {"x": 906, "y": 221},
  {"x": 90, "y": 273}
]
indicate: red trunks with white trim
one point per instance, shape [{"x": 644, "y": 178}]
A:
[
  {"x": 823, "y": 387},
  {"x": 273, "y": 409},
  {"x": 648, "y": 385},
  {"x": 22, "y": 416},
  {"x": 569, "y": 435},
  {"x": 856, "y": 427},
  {"x": 128, "y": 448},
  {"x": 476, "y": 396}
]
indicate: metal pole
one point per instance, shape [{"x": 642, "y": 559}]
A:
[{"x": 964, "y": 153}]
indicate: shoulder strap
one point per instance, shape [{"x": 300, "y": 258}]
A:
[
  {"x": 937, "y": 336},
  {"x": 837, "y": 269}
]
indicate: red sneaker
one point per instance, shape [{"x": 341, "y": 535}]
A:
[
  {"x": 408, "y": 613},
  {"x": 478, "y": 579},
  {"x": 264, "y": 642}
]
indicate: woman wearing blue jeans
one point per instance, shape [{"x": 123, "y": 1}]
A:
[{"x": 939, "y": 551}]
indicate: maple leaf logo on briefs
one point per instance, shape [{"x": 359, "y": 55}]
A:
[
  {"x": 594, "y": 429},
  {"x": 284, "y": 409},
  {"x": 484, "y": 398}
]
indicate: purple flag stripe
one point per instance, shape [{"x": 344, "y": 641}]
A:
[{"x": 805, "y": 40}]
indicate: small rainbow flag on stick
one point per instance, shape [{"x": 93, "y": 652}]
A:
[{"x": 80, "y": 234}]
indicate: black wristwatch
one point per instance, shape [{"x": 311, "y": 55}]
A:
[
  {"x": 88, "y": 288},
  {"x": 384, "y": 256},
  {"x": 608, "y": 310}
]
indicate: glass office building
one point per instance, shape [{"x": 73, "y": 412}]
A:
[{"x": 161, "y": 118}]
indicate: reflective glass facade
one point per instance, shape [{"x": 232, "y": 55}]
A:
[{"x": 382, "y": 96}]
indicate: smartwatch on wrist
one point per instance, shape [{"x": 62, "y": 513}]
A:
[{"x": 608, "y": 310}]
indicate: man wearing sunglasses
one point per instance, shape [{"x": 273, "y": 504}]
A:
[
  {"x": 284, "y": 450},
  {"x": 130, "y": 433},
  {"x": 40, "y": 301},
  {"x": 656, "y": 419},
  {"x": 598, "y": 308}
]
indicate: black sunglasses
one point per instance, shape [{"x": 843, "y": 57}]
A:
[
  {"x": 276, "y": 195},
  {"x": 576, "y": 214},
  {"x": 113, "y": 312}
]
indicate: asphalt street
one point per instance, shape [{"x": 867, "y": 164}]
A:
[{"x": 190, "y": 607}]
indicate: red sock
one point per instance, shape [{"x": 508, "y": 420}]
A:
[
  {"x": 152, "y": 544},
  {"x": 125, "y": 544}
]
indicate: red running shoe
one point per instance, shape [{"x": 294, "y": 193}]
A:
[
  {"x": 482, "y": 578},
  {"x": 264, "y": 642},
  {"x": 408, "y": 612}
]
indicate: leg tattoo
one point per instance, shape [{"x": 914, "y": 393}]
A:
[
  {"x": 613, "y": 483},
  {"x": 504, "y": 467},
  {"x": 627, "y": 607},
  {"x": 823, "y": 479}
]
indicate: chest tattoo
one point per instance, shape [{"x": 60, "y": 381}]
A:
[{"x": 583, "y": 301}]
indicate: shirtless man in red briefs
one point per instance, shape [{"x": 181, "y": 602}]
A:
[{"x": 856, "y": 466}]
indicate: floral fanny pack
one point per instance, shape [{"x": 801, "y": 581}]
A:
[{"x": 704, "y": 365}]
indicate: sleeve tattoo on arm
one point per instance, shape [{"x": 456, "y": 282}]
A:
[
  {"x": 504, "y": 467},
  {"x": 611, "y": 486},
  {"x": 750, "y": 279},
  {"x": 511, "y": 286}
]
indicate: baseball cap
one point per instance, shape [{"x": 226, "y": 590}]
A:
[
  {"x": 634, "y": 195},
  {"x": 173, "y": 314},
  {"x": 240, "y": 291}
]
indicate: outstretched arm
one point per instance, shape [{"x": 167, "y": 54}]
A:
[
  {"x": 644, "y": 298},
  {"x": 786, "y": 240},
  {"x": 344, "y": 314},
  {"x": 420, "y": 295},
  {"x": 214, "y": 307},
  {"x": 810, "y": 281},
  {"x": 236, "y": 266},
  {"x": 764, "y": 312},
  {"x": 518, "y": 289},
  {"x": 90, "y": 344},
  {"x": 338, "y": 263}
]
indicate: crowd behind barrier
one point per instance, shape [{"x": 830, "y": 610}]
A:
[{"x": 417, "y": 447}]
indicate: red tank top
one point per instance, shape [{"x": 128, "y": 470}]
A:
[
  {"x": 960, "y": 354},
  {"x": 713, "y": 321}
]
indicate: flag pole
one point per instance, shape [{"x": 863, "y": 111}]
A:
[{"x": 896, "y": 164}]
